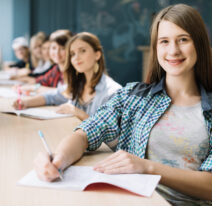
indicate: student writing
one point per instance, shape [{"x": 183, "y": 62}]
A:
[{"x": 163, "y": 126}]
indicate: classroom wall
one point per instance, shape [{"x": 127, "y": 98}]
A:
[
  {"x": 121, "y": 25},
  {"x": 14, "y": 22},
  {"x": 6, "y": 28}
]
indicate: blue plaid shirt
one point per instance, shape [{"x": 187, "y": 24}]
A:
[{"x": 126, "y": 120}]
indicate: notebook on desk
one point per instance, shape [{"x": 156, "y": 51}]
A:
[
  {"x": 8, "y": 92},
  {"x": 37, "y": 113},
  {"x": 10, "y": 82},
  {"x": 5, "y": 78},
  {"x": 78, "y": 178}
]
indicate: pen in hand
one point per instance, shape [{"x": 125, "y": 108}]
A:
[{"x": 49, "y": 151}]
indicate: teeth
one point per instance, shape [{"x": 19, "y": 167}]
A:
[{"x": 174, "y": 61}]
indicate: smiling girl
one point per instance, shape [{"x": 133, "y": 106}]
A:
[{"x": 163, "y": 126}]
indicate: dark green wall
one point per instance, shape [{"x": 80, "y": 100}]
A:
[
  {"x": 49, "y": 15},
  {"x": 121, "y": 25}
]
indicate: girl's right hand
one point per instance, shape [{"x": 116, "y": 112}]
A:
[
  {"x": 46, "y": 169},
  {"x": 20, "y": 104}
]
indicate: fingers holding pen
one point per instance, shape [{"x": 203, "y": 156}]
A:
[
  {"x": 19, "y": 104},
  {"x": 45, "y": 169}
]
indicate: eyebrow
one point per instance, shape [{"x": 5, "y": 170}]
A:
[
  {"x": 181, "y": 35},
  {"x": 82, "y": 47}
]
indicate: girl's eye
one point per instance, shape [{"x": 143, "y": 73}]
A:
[
  {"x": 183, "y": 40},
  {"x": 72, "y": 54},
  {"x": 83, "y": 50},
  {"x": 164, "y": 41}
]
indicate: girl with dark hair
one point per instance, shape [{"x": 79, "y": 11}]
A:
[
  {"x": 163, "y": 126},
  {"x": 87, "y": 86}
]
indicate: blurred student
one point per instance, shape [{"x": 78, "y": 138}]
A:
[
  {"x": 57, "y": 53},
  {"x": 87, "y": 84},
  {"x": 36, "y": 42},
  {"x": 21, "y": 50},
  {"x": 46, "y": 62},
  {"x": 163, "y": 126},
  {"x": 52, "y": 77},
  {"x": 36, "y": 60}
]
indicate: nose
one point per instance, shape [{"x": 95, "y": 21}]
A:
[
  {"x": 57, "y": 52},
  {"x": 76, "y": 56},
  {"x": 174, "y": 48}
]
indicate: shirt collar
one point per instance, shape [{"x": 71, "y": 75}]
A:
[
  {"x": 206, "y": 97},
  {"x": 157, "y": 87}
]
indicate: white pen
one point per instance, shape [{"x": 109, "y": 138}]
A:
[{"x": 48, "y": 150}]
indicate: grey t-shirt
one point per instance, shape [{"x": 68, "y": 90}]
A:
[{"x": 180, "y": 139}]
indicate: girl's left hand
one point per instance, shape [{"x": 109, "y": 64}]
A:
[
  {"x": 66, "y": 108},
  {"x": 122, "y": 162}
]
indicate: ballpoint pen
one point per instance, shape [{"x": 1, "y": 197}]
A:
[{"x": 48, "y": 150}]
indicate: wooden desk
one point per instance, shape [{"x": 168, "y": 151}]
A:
[{"x": 19, "y": 144}]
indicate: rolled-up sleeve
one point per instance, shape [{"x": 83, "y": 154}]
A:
[{"x": 104, "y": 125}]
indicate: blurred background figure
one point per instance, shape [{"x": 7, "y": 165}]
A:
[
  {"x": 21, "y": 49},
  {"x": 36, "y": 42},
  {"x": 45, "y": 62},
  {"x": 54, "y": 54}
]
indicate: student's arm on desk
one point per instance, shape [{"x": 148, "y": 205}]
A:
[
  {"x": 69, "y": 150},
  {"x": 27, "y": 88},
  {"x": 69, "y": 108},
  {"x": 20, "y": 73},
  {"x": 193, "y": 183},
  {"x": 30, "y": 102}
]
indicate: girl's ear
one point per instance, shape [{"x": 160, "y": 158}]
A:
[{"x": 98, "y": 55}]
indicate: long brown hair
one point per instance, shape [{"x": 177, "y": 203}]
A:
[
  {"x": 76, "y": 81},
  {"x": 189, "y": 20}
]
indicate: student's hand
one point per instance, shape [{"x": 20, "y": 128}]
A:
[
  {"x": 28, "y": 89},
  {"x": 20, "y": 104},
  {"x": 67, "y": 108},
  {"x": 122, "y": 162},
  {"x": 13, "y": 72},
  {"x": 46, "y": 169}
]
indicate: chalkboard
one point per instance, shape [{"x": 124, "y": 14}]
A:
[{"x": 121, "y": 25}]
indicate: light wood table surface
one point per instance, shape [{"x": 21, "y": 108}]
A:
[{"x": 20, "y": 143}]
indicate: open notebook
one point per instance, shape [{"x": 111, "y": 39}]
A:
[
  {"x": 37, "y": 113},
  {"x": 78, "y": 178},
  {"x": 5, "y": 75},
  {"x": 8, "y": 92}
]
